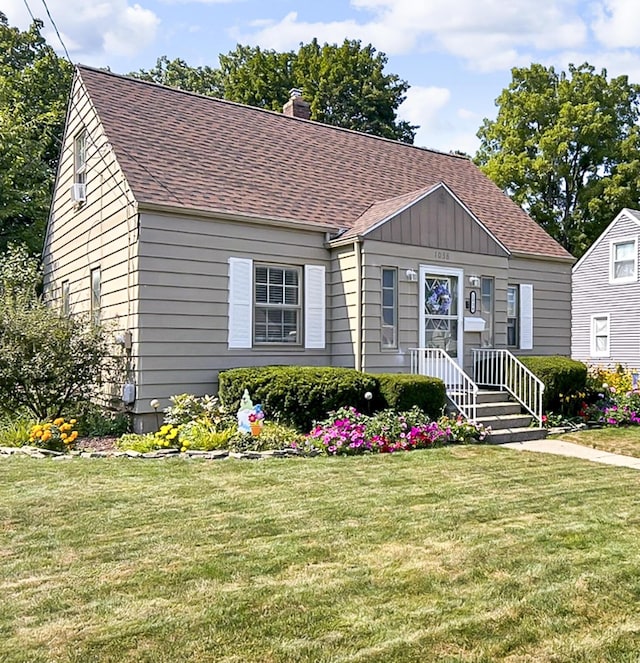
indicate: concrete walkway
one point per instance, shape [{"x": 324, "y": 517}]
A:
[{"x": 562, "y": 448}]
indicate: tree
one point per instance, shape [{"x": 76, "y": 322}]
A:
[
  {"x": 345, "y": 85},
  {"x": 566, "y": 147},
  {"x": 34, "y": 88},
  {"x": 47, "y": 360}
]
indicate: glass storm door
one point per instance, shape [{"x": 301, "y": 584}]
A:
[{"x": 440, "y": 320}]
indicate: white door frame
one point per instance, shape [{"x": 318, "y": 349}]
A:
[{"x": 438, "y": 270}]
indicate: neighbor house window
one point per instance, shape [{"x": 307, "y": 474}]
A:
[
  {"x": 277, "y": 304},
  {"x": 80, "y": 158},
  {"x": 624, "y": 261},
  {"x": 389, "y": 308},
  {"x": 512, "y": 316},
  {"x": 95, "y": 296},
  {"x": 65, "y": 298},
  {"x": 600, "y": 335},
  {"x": 486, "y": 310}
]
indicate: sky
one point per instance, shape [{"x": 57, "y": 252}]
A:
[{"x": 456, "y": 55}]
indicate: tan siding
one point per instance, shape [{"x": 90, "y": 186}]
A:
[
  {"x": 100, "y": 233},
  {"x": 343, "y": 305},
  {"x": 551, "y": 303},
  {"x": 593, "y": 294},
  {"x": 438, "y": 220},
  {"x": 381, "y": 254},
  {"x": 184, "y": 292}
]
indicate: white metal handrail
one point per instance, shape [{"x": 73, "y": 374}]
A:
[
  {"x": 500, "y": 368},
  {"x": 460, "y": 388}
]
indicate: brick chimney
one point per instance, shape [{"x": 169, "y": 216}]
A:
[{"x": 297, "y": 106}]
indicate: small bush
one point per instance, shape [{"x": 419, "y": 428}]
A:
[
  {"x": 56, "y": 435},
  {"x": 14, "y": 431},
  {"x": 96, "y": 421},
  {"x": 298, "y": 395},
  {"x": 140, "y": 443},
  {"x": 187, "y": 407},
  {"x": 272, "y": 436},
  {"x": 564, "y": 380},
  {"x": 402, "y": 391}
]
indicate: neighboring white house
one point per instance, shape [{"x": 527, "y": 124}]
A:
[
  {"x": 605, "y": 304},
  {"x": 216, "y": 235}
]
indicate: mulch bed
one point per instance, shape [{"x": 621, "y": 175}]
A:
[{"x": 96, "y": 443}]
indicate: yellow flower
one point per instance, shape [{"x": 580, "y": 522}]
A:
[
  {"x": 58, "y": 422},
  {"x": 73, "y": 436},
  {"x": 64, "y": 436},
  {"x": 72, "y": 422}
]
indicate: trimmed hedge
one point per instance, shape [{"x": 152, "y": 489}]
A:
[
  {"x": 560, "y": 375},
  {"x": 300, "y": 395},
  {"x": 401, "y": 391}
]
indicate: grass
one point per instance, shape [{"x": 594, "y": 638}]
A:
[
  {"x": 455, "y": 554},
  {"x": 623, "y": 440}
]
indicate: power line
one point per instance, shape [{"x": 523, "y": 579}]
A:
[
  {"x": 33, "y": 18},
  {"x": 55, "y": 27}
]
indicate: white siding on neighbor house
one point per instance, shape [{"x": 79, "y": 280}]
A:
[
  {"x": 184, "y": 295},
  {"x": 101, "y": 233},
  {"x": 593, "y": 294},
  {"x": 551, "y": 281}
]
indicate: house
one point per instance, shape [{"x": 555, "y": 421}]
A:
[
  {"x": 606, "y": 297},
  {"x": 215, "y": 235}
]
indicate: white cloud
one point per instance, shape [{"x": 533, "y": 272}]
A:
[
  {"x": 92, "y": 32},
  {"x": 423, "y": 105},
  {"x": 616, "y": 23},
  {"x": 488, "y": 34}
]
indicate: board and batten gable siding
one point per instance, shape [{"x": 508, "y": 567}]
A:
[
  {"x": 438, "y": 220},
  {"x": 551, "y": 281},
  {"x": 378, "y": 255},
  {"x": 184, "y": 299},
  {"x": 592, "y": 294},
  {"x": 101, "y": 233}
]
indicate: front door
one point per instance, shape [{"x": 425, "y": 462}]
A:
[{"x": 441, "y": 297}]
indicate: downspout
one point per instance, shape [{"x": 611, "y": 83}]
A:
[{"x": 357, "y": 249}]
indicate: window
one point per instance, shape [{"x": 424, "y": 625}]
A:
[
  {"x": 512, "y": 316},
  {"x": 389, "y": 308},
  {"x": 80, "y": 158},
  {"x": 624, "y": 261},
  {"x": 65, "y": 298},
  {"x": 600, "y": 335},
  {"x": 95, "y": 296},
  {"x": 486, "y": 310},
  {"x": 277, "y": 304}
]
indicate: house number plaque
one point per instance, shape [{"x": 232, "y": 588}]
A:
[
  {"x": 442, "y": 255},
  {"x": 472, "y": 302}
]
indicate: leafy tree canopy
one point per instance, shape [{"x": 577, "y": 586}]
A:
[
  {"x": 34, "y": 88},
  {"x": 345, "y": 84},
  {"x": 565, "y": 146}
]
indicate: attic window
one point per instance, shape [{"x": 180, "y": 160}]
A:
[
  {"x": 80, "y": 158},
  {"x": 624, "y": 261}
]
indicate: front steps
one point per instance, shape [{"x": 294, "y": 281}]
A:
[{"x": 506, "y": 418}]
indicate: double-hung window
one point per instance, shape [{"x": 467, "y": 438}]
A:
[
  {"x": 624, "y": 261},
  {"x": 80, "y": 158},
  {"x": 277, "y": 304},
  {"x": 65, "y": 298},
  {"x": 389, "y": 308},
  {"x": 600, "y": 335},
  {"x": 512, "y": 316}
]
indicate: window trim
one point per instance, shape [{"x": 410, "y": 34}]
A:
[
  {"x": 65, "y": 289},
  {"x": 95, "y": 302},
  {"x": 489, "y": 330},
  {"x": 394, "y": 307},
  {"x": 612, "y": 262},
  {"x": 299, "y": 307},
  {"x": 80, "y": 165},
  {"x": 592, "y": 337},
  {"x": 516, "y": 318}
]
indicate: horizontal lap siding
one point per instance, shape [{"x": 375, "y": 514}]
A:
[
  {"x": 184, "y": 293},
  {"x": 551, "y": 282},
  {"x": 593, "y": 294},
  {"x": 343, "y": 307},
  {"x": 101, "y": 233},
  {"x": 382, "y": 254}
]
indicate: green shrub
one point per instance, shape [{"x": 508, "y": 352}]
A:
[
  {"x": 564, "y": 381},
  {"x": 401, "y": 391},
  {"x": 96, "y": 421},
  {"x": 14, "y": 431},
  {"x": 136, "y": 442},
  {"x": 299, "y": 395},
  {"x": 204, "y": 436},
  {"x": 187, "y": 407},
  {"x": 272, "y": 436}
]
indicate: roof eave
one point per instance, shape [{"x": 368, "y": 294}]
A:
[{"x": 543, "y": 256}]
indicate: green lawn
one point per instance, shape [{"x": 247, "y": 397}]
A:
[
  {"x": 625, "y": 440},
  {"x": 455, "y": 554}
]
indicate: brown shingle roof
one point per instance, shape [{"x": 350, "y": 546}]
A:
[{"x": 182, "y": 149}]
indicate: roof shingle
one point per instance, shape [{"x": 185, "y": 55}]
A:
[{"x": 182, "y": 149}]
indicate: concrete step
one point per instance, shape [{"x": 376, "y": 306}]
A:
[
  {"x": 506, "y": 421},
  {"x": 501, "y": 408},
  {"x": 516, "y": 435},
  {"x": 491, "y": 396}
]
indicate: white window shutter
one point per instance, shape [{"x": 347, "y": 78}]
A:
[
  {"x": 314, "y": 306},
  {"x": 240, "y": 302},
  {"x": 526, "y": 316}
]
